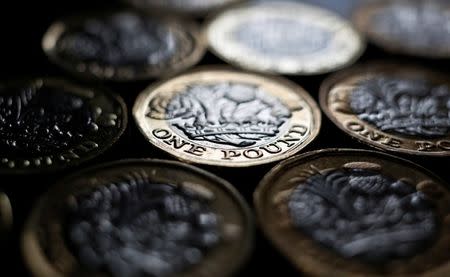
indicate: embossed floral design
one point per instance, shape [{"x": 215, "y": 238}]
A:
[
  {"x": 138, "y": 228},
  {"x": 405, "y": 106}
]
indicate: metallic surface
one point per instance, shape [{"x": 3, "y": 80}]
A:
[
  {"x": 349, "y": 212},
  {"x": 392, "y": 107},
  {"x": 222, "y": 117},
  {"x": 284, "y": 38},
  {"x": 123, "y": 46},
  {"x": 139, "y": 218}
]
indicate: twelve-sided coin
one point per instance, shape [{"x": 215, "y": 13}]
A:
[
  {"x": 357, "y": 213},
  {"x": 392, "y": 107},
  {"x": 284, "y": 38},
  {"x": 222, "y": 117},
  {"x": 414, "y": 27},
  {"x": 50, "y": 124},
  {"x": 139, "y": 218},
  {"x": 123, "y": 45}
]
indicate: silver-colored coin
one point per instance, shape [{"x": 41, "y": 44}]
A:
[{"x": 284, "y": 38}]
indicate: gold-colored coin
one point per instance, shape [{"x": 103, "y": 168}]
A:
[
  {"x": 139, "y": 218},
  {"x": 284, "y": 38},
  {"x": 352, "y": 213},
  {"x": 124, "y": 45},
  {"x": 414, "y": 27},
  {"x": 191, "y": 7},
  {"x": 222, "y": 117},
  {"x": 6, "y": 216},
  {"x": 392, "y": 107}
]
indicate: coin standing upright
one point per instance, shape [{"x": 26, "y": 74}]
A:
[
  {"x": 123, "y": 45},
  {"x": 281, "y": 37},
  {"x": 222, "y": 117}
]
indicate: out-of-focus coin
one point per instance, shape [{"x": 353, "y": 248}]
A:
[
  {"x": 357, "y": 213},
  {"x": 6, "y": 216},
  {"x": 414, "y": 27},
  {"x": 222, "y": 117},
  {"x": 139, "y": 218},
  {"x": 49, "y": 124},
  {"x": 192, "y": 7},
  {"x": 123, "y": 46},
  {"x": 391, "y": 107},
  {"x": 284, "y": 38}
]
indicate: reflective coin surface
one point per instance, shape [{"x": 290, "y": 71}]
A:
[
  {"x": 6, "y": 216},
  {"x": 50, "y": 124},
  {"x": 192, "y": 7},
  {"x": 356, "y": 213},
  {"x": 123, "y": 46},
  {"x": 139, "y": 218},
  {"x": 222, "y": 117},
  {"x": 391, "y": 107},
  {"x": 284, "y": 38},
  {"x": 414, "y": 27}
]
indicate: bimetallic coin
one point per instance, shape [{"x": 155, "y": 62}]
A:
[
  {"x": 192, "y": 7},
  {"x": 284, "y": 38},
  {"x": 356, "y": 213},
  {"x": 221, "y": 117},
  {"x": 6, "y": 216},
  {"x": 391, "y": 107},
  {"x": 123, "y": 46},
  {"x": 139, "y": 218},
  {"x": 49, "y": 124},
  {"x": 414, "y": 27}
]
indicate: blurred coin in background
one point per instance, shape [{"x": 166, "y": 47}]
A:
[
  {"x": 6, "y": 216},
  {"x": 222, "y": 117},
  {"x": 49, "y": 124},
  {"x": 353, "y": 213},
  {"x": 191, "y": 7},
  {"x": 139, "y": 218},
  {"x": 284, "y": 38},
  {"x": 398, "y": 108},
  {"x": 413, "y": 27},
  {"x": 123, "y": 46}
]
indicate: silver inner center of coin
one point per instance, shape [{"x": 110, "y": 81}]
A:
[
  {"x": 138, "y": 228},
  {"x": 277, "y": 37},
  {"x": 363, "y": 214},
  {"x": 227, "y": 115},
  {"x": 404, "y": 106},
  {"x": 425, "y": 25},
  {"x": 118, "y": 40}
]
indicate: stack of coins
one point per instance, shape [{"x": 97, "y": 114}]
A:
[{"x": 167, "y": 120}]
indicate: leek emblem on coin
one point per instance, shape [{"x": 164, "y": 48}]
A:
[{"x": 227, "y": 118}]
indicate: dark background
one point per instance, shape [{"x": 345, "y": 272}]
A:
[{"x": 21, "y": 28}]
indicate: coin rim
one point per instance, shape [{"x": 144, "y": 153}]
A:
[
  {"x": 70, "y": 85},
  {"x": 38, "y": 264},
  {"x": 374, "y": 67},
  {"x": 294, "y": 87},
  {"x": 361, "y": 20},
  {"x": 266, "y": 182},
  {"x": 185, "y": 25},
  {"x": 252, "y": 68}
]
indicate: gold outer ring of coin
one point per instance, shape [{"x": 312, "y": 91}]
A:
[
  {"x": 334, "y": 103},
  {"x": 94, "y": 70},
  {"x": 311, "y": 257},
  {"x": 227, "y": 258},
  {"x": 6, "y": 216},
  {"x": 348, "y": 44},
  {"x": 362, "y": 20},
  {"x": 301, "y": 129},
  {"x": 111, "y": 116},
  {"x": 182, "y": 9}
]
